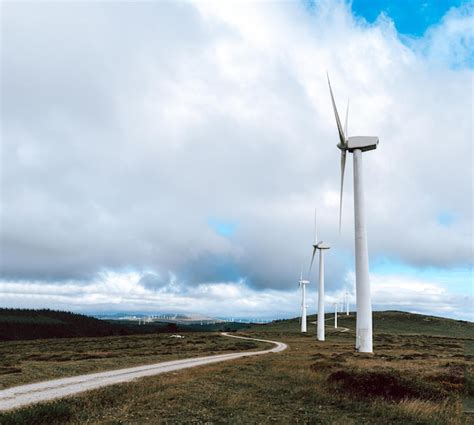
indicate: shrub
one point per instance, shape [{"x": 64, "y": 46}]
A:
[
  {"x": 389, "y": 384},
  {"x": 40, "y": 414}
]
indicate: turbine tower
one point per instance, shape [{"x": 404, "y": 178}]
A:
[
  {"x": 303, "y": 284},
  {"x": 335, "y": 315},
  {"x": 347, "y": 303},
  {"x": 357, "y": 145},
  {"x": 321, "y": 246}
]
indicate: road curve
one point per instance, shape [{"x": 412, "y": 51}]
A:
[
  {"x": 340, "y": 328},
  {"x": 23, "y": 395}
]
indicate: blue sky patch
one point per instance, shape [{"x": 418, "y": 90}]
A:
[
  {"x": 411, "y": 17},
  {"x": 446, "y": 218},
  {"x": 222, "y": 227},
  {"x": 455, "y": 280}
]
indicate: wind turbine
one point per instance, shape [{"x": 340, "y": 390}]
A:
[
  {"x": 321, "y": 246},
  {"x": 356, "y": 145},
  {"x": 303, "y": 284},
  {"x": 335, "y": 315},
  {"x": 347, "y": 303}
]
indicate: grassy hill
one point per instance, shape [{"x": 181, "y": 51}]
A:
[
  {"x": 390, "y": 322},
  {"x": 420, "y": 373}
]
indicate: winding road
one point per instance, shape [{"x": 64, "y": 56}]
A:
[
  {"x": 23, "y": 395},
  {"x": 340, "y": 328}
]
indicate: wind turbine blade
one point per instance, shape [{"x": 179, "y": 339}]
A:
[
  {"x": 343, "y": 166},
  {"x": 338, "y": 121},
  {"x": 347, "y": 119},
  {"x": 312, "y": 260}
]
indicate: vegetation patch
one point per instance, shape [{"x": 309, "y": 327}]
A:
[
  {"x": 244, "y": 345},
  {"x": 451, "y": 380},
  {"x": 41, "y": 414},
  {"x": 416, "y": 356},
  {"x": 5, "y": 370},
  {"x": 25, "y": 324},
  {"x": 325, "y": 365},
  {"x": 388, "y": 383}
]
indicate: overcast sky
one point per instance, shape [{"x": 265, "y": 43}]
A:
[{"x": 168, "y": 156}]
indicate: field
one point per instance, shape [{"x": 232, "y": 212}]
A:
[
  {"x": 32, "y": 361},
  {"x": 421, "y": 373}
]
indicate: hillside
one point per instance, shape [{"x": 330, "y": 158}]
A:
[
  {"x": 23, "y": 324},
  {"x": 389, "y": 322}
]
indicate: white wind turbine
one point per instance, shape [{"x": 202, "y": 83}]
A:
[
  {"x": 303, "y": 284},
  {"x": 347, "y": 303},
  {"x": 357, "y": 145},
  {"x": 335, "y": 315},
  {"x": 321, "y": 246}
]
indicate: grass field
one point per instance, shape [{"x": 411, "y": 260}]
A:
[
  {"x": 24, "y": 362},
  {"x": 421, "y": 373}
]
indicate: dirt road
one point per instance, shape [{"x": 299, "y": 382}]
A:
[{"x": 23, "y": 395}]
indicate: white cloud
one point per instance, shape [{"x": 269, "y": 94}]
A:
[
  {"x": 120, "y": 142},
  {"x": 113, "y": 291},
  {"x": 124, "y": 291},
  {"x": 452, "y": 40}
]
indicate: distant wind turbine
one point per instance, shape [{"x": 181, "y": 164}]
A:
[
  {"x": 347, "y": 303},
  {"x": 321, "y": 246},
  {"x": 303, "y": 284},
  {"x": 335, "y": 315},
  {"x": 357, "y": 145}
]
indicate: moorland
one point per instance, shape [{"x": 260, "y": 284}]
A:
[{"x": 421, "y": 373}]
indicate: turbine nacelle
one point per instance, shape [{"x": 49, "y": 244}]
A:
[
  {"x": 316, "y": 245},
  {"x": 304, "y": 282},
  {"x": 351, "y": 144},
  {"x": 321, "y": 245},
  {"x": 363, "y": 143}
]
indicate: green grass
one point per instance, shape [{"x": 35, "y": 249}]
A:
[
  {"x": 393, "y": 322},
  {"x": 418, "y": 375},
  {"x": 403, "y": 323}
]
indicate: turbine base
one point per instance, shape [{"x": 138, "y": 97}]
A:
[{"x": 365, "y": 341}]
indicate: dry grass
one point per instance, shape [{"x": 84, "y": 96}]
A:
[
  {"x": 425, "y": 411},
  {"x": 31, "y": 361},
  {"x": 291, "y": 387}
]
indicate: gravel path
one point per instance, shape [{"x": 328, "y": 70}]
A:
[{"x": 23, "y": 395}]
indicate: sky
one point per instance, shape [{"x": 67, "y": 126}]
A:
[{"x": 168, "y": 156}]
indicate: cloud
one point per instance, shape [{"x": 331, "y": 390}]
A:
[
  {"x": 221, "y": 227},
  {"x": 142, "y": 291},
  {"x": 451, "y": 41},
  {"x": 127, "y": 126}
]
